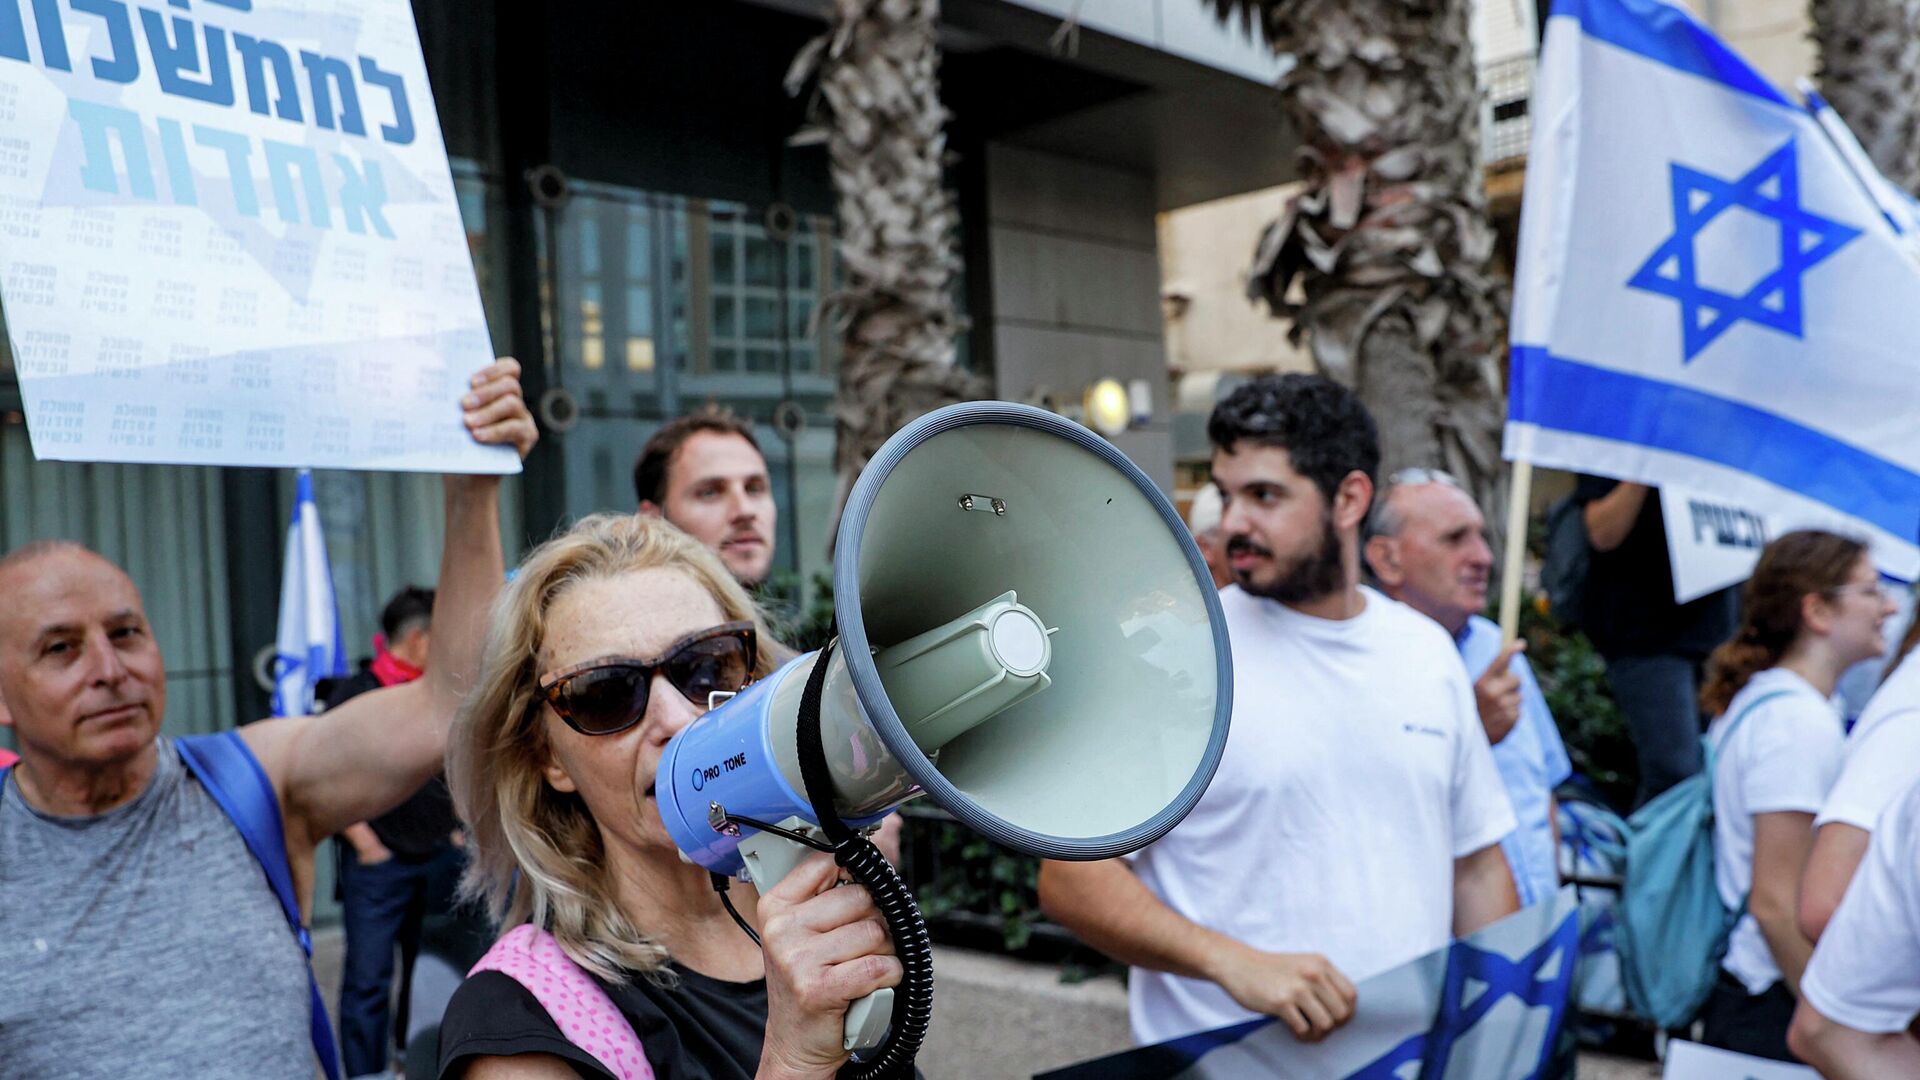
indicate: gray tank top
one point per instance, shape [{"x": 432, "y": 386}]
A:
[{"x": 144, "y": 942}]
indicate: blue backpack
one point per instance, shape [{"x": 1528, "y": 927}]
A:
[
  {"x": 1672, "y": 925},
  {"x": 233, "y": 776}
]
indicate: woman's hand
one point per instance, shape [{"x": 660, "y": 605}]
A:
[{"x": 825, "y": 948}]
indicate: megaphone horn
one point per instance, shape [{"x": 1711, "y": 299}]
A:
[{"x": 1027, "y": 636}]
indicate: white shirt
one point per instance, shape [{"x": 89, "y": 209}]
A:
[
  {"x": 1865, "y": 973},
  {"x": 1355, "y": 772},
  {"x": 1782, "y": 758},
  {"x": 1882, "y": 754}
]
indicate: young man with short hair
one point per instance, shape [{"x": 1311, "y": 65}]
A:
[
  {"x": 1355, "y": 820},
  {"x": 704, "y": 472}
]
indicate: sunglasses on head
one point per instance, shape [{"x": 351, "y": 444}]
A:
[{"x": 604, "y": 697}]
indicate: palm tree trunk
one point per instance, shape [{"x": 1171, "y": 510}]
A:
[
  {"x": 876, "y": 69},
  {"x": 1870, "y": 72},
  {"x": 1389, "y": 239}
]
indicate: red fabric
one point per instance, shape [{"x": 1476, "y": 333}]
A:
[
  {"x": 8, "y": 757},
  {"x": 388, "y": 668}
]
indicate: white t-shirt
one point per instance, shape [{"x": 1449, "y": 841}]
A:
[
  {"x": 1865, "y": 972},
  {"x": 1355, "y": 772},
  {"x": 1882, "y": 754},
  {"x": 1783, "y": 757}
]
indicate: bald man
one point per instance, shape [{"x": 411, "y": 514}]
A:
[{"x": 138, "y": 936}]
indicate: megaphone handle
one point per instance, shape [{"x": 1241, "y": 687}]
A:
[
  {"x": 769, "y": 858},
  {"x": 913, "y": 1010}
]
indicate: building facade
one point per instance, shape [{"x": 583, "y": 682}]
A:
[{"x": 650, "y": 237}]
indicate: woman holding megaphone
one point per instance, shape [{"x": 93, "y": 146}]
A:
[{"x": 620, "y": 959}]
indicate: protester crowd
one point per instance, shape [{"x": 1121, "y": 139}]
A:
[{"x": 1388, "y": 785}]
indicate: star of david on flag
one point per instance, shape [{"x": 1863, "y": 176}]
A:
[
  {"x": 1668, "y": 182},
  {"x": 1489, "y": 1005},
  {"x": 1772, "y": 190}
]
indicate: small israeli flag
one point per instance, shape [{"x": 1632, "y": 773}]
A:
[
  {"x": 308, "y": 647},
  {"x": 1715, "y": 289}
]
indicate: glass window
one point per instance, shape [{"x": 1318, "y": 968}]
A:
[
  {"x": 639, "y": 246},
  {"x": 482, "y": 209},
  {"x": 763, "y": 319},
  {"x": 663, "y": 304},
  {"x": 804, "y": 256},
  {"x": 639, "y": 311},
  {"x": 593, "y": 341},
  {"x": 762, "y": 259},
  {"x": 589, "y": 245}
]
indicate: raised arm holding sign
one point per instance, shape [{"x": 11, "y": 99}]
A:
[
  {"x": 232, "y": 238},
  {"x": 102, "y": 813}
]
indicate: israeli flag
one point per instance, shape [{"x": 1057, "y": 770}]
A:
[
  {"x": 1490, "y": 1006},
  {"x": 308, "y": 647},
  {"x": 1715, "y": 289}
]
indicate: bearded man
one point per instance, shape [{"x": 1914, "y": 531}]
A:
[{"x": 1356, "y": 819}]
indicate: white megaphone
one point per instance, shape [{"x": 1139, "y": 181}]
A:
[{"x": 1027, "y": 636}]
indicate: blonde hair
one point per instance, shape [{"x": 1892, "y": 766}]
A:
[{"x": 535, "y": 854}]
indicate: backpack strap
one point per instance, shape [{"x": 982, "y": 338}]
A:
[
  {"x": 583, "y": 1012},
  {"x": 1712, "y": 755},
  {"x": 232, "y": 775},
  {"x": 1713, "y": 745}
]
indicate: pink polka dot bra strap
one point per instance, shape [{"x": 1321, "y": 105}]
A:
[{"x": 586, "y": 1016}]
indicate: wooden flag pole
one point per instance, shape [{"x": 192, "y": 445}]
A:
[{"x": 1520, "y": 499}]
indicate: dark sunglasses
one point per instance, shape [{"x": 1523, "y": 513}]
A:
[{"x": 605, "y": 697}]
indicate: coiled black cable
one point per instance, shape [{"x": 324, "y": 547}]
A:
[{"x": 913, "y": 1001}]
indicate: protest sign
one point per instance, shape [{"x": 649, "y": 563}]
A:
[
  {"x": 1692, "y": 1061},
  {"x": 1709, "y": 293},
  {"x": 1712, "y": 542},
  {"x": 228, "y": 236},
  {"x": 1488, "y": 1007}
]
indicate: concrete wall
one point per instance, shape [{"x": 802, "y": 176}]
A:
[
  {"x": 1184, "y": 28},
  {"x": 1205, "y": 251},
  {"x": 1076, "y": 287}
]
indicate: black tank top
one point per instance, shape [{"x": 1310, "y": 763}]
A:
[{"x": 699, "y": 1028}]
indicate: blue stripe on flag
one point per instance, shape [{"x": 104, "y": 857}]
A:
[
  {"x": 1667, "y": 35},
  {"x": 1566, "y": 395}
]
